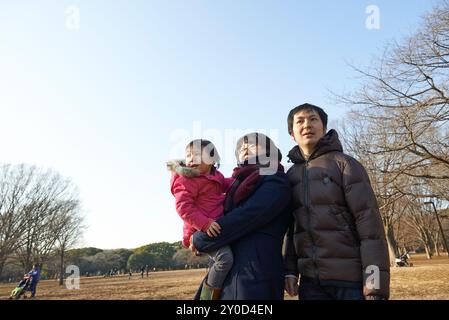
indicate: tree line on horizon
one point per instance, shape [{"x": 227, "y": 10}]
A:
[{"x": 98, "y": 262}]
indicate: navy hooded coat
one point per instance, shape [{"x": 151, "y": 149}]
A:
[{"x": 255, "y": 231}]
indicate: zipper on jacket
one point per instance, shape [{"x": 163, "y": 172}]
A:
[{"x": 309, "y": 222}]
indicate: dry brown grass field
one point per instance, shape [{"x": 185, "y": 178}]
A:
[{"x": 427, "y": 280}]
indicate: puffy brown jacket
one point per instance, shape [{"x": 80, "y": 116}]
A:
[{"x": 337, "y": 235}]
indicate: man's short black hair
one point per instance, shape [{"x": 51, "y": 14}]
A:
[{"x": 306, "y": 107}]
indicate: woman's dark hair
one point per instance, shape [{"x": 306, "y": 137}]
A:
[
  {"x": 271, "y": 151},
  {"x": 209, "y": 146},
  {"x": 306, "y": 107}
]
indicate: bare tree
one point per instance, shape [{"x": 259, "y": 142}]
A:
[
  {"x": 15, "y": 186},
  {"x": 424, "y": 224},
  {"x": 408, "y": 90},
  {"x": 399, "y": 128},
  {"x": 38, "y": 209},
  {"x": 68, "y": 231},
  {"x": 48, "y": 200}
]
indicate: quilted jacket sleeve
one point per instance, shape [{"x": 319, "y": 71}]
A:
[{"x": 362, "y": 204}]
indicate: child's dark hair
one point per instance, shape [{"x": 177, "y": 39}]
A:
[
  {"x": 306, "y": 107},
  {"x": 213, "y": 153}
]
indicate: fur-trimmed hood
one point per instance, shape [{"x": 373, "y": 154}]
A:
[{"x": 178, "y": 166}]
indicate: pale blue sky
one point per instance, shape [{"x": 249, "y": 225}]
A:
[{"x": 109, "y": 103}]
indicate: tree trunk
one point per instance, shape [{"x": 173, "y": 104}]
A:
[
  {"x": 392, "y": 244},
  {"x": 436, "y": 241},
  {"x": 2, "y": 264},
  {"x": 426, "y": 240},
  {"x": 428, "y": 251},
  {"x": 427, "y": 244},
  {"x": 61, "y": 270}
]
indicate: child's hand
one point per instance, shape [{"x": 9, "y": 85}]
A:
[{"x": 214, "y": 230}]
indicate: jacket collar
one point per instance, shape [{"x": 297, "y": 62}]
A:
[{"x": 328, "y": 143}]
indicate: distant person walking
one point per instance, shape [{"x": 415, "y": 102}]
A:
[{"x": 35, "y": 274}]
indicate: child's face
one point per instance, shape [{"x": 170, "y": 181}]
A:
[{"x": 199, "y": 159}]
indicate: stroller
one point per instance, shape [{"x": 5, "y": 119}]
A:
[
  {"x": 402, "y": 260},
  {"x": 22, "y": 287}
]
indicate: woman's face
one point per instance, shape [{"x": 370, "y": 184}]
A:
[{"x": 248, "y": 151}]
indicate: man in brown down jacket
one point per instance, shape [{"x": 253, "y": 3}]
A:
[{"x": 336, "y": 242}]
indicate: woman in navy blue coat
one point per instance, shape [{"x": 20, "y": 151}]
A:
[{"x": 255, "y": 221}]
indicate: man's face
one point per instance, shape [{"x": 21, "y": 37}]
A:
[{"x": 307, "y": 129}]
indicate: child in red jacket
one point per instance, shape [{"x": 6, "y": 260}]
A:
[{"x": 199, "y": 189}]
